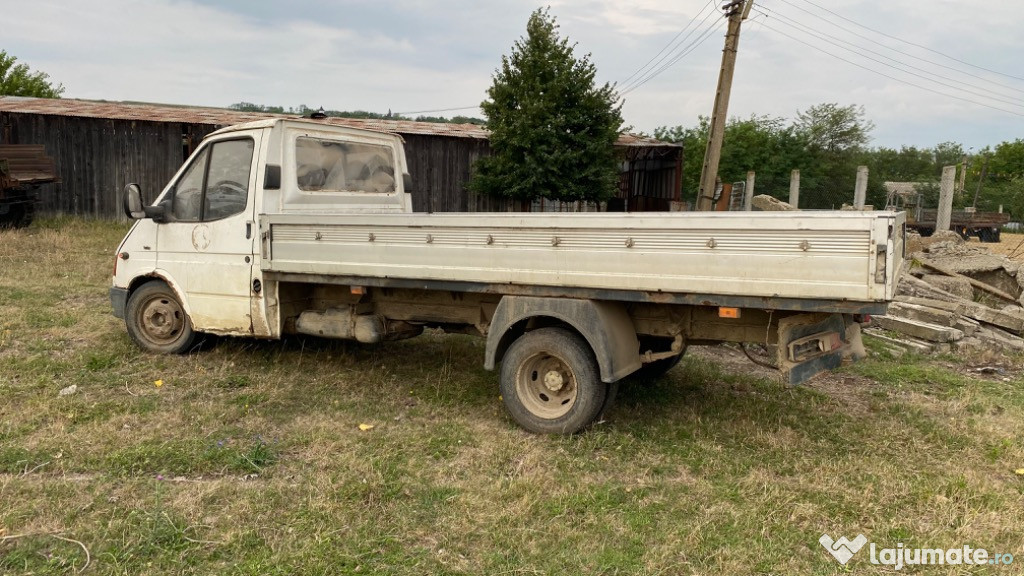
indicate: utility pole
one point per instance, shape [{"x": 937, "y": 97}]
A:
[
  {"x": 737, "y": 11},
  {"x": 984, "y": 172},
  {"x": 963, "y": 175}
]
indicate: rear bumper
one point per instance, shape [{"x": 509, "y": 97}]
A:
[{"x": 119, "y": 301}]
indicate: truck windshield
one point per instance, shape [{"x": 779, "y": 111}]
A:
[{"x": 332, "y": 166}]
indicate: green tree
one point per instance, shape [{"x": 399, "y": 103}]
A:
[
  {"x": 836, "y": 137},
  {"x": 1004, "y": 181},
  {"x": 553, "y": 130},
  {"x": 764, "y": 144},
  {"x": 19, "y": 80},
  {"x": 908, "y": 164},
  {"x": 947, "y": 154},
  {"x": 1007, "y": 162},
  {"x": 832, "y": 128}
]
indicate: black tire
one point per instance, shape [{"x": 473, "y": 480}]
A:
[
  {"x": 157, "y": 321},
  {"x": 550, "y": 382}
]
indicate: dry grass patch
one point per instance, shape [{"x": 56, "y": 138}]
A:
[{"x": 248, "y": 459}]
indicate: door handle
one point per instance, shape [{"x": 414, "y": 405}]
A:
[{"x": 248, "y": 230}]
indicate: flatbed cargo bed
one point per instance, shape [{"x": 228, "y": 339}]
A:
[{"x": 826, "y": 256}]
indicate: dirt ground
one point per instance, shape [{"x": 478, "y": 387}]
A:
[{"x": 1010, "y": 245}]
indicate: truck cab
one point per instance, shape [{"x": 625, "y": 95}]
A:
[{"x": 201, "y": 235}]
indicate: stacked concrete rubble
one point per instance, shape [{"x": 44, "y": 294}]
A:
[{"x": 954, "y": 296}]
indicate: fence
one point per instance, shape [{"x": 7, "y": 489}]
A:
[{"x": 833, "y": 194}]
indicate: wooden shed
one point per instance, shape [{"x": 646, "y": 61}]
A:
[{"x": 99, "y": 147}]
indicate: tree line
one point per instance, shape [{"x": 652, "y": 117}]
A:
[
  {"x": 828, "y": 142},
  {"x": 303, "y": 110}
]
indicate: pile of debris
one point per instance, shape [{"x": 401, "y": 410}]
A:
[{"x": 954, "y": 296}]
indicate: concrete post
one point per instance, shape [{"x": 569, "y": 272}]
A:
[
  {"x": 748, "y": 197},
  {"x": 794, "y": 189},
  {"x": 860, "y": 193},
  {"x": 946, "y": 188}
]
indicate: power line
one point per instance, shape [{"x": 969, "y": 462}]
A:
[
  {"x": 670, "y": 42},
  {"x": 685, "y": 52},
  {"x": 754, "y": 31},
  {"x": 440, "y": 110},
  {"x": 673, "y": 53},
  {"x": 927, "y": 75},
  {"x": 954, "y": 58},
  {"x": 682, "y": 53},
  {"x": 883, "y": 74},
  {"x": 901, "y": 52}
]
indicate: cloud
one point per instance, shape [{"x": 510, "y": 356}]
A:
[
  {"x": 410, "y": 55},
  {"x": 636, "y": 18}
]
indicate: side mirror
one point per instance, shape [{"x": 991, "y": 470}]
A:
[
  {"x": 157, "y": 213},
  {"x": 132, "y": 202},
  {"x": 406, "y": 182}
]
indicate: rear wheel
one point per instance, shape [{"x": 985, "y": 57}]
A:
[
  {"x": 550, "y": 382},
  {"x": 157, "y": 321}
]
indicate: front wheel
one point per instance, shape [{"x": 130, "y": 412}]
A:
[
  {"x": 156, "y": 320},
  {"x": 550, "y": 382}
]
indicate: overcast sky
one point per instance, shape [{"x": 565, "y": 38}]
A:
[{"x": 413, "y": 55}]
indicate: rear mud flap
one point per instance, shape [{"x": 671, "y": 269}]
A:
[{"x": 810, "y": 344}]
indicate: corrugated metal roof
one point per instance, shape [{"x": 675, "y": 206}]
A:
[
  {"x": 635, "y": 140},
  {"x": 225, "y": 117},
  {"x": 902, "y": 188}
]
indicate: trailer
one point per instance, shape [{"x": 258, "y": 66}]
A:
[
  {"x": 985, "y": 226},
  {"x": 23, "y": 169},
  {"x": 285, "y": 227}
]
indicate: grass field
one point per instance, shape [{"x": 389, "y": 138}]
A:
[{"x": 248, "y": 457}]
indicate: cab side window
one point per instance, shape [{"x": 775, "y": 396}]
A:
[{"x": 216, "y": 184}]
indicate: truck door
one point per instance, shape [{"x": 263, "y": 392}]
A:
[{"x": 206, "y": 243}]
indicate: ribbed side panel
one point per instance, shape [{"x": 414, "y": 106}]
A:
[
  {"x": 818, "y": 256},
  {"x": 655, "y": 241}
]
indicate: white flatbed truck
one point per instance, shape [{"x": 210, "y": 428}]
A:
[{"x": 285, "y": 226}]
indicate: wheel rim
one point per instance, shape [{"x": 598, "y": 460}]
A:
[
  {"x": 161, "y": 320},
  {"x": 546, "y": 386}
]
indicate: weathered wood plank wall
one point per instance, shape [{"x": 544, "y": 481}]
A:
[
  {"x": 441, "y": 168},
  {"x": 97, "y": 157}
]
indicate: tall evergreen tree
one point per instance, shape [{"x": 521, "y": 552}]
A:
[{"x": 553, "y": 130}]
